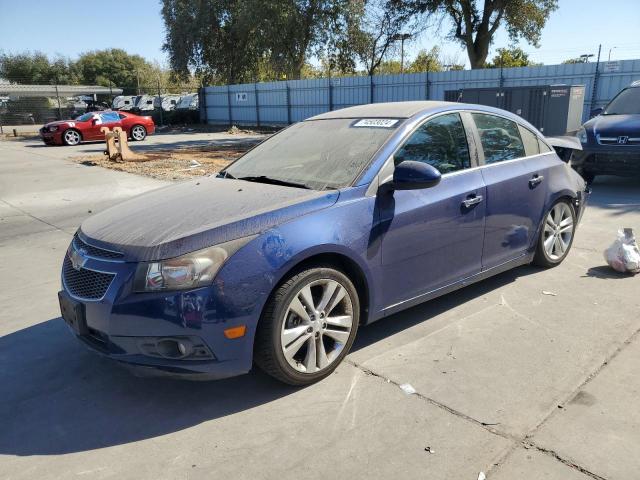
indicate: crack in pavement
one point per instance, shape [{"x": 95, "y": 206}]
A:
[
  {"x": 24, "y": 212},
  {"x": 525, "y": 441}
]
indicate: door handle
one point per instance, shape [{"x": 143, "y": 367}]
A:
[
  {"x": 536, "y": 180},
  {"x": 472, "y": 200}
]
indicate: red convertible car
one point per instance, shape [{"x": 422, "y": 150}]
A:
[{"x": 87, "y": 127}]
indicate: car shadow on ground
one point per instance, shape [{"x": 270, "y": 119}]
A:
[
  {"x": 59, "y": 398},
  {"x": 618, "y": 195}
]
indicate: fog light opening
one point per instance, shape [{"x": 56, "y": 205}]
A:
[{"x": 174, "y": 348}]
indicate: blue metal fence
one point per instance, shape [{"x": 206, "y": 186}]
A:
[{"x": 282, "y": 103}]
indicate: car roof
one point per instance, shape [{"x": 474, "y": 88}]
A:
[
  {"x": 408, "y": 110},
  {"x": 383, "y": 110}
]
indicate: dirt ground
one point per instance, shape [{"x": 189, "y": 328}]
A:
[{"x": 174, "y": 163}]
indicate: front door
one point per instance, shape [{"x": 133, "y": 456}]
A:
[
  {"x": 515, "y": 188},
  {"x": 100, "y": 120},
  {"x": 433, "y": 237}
]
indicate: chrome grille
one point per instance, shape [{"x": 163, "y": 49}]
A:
[
  {"x": 95, "y": 251},
  {"x": 85, "y": 284},
  {"x": 622, "y": 140}
]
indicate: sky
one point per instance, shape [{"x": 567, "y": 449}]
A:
[{"x": 71, "y": 27}]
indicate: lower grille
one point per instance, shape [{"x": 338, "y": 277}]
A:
[
  {"x": 83, "y": 283},
  {"x": 625, "y": 161}
]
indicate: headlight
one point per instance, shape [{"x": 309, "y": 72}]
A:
[
  {"x": 53, "y": 128},
  {"x": 581, "y": 134},
  {"x": 193, "y": 270}
]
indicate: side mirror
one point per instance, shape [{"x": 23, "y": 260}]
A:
[
  {"x": 596, "y": 111},
  {"x": 94, "y": 121},
  {"x": 411, "y": 175}
]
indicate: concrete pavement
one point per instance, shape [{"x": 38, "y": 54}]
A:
[{"x": 510, "y": 381}]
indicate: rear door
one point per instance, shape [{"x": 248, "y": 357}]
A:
[
  {"x": 433, "y": 236},
  {"x": 516, "y": 188}
]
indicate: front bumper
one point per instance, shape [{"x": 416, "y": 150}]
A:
[
  {"x": 620, "y": 161},
  {"x": 51, "y": 138},
  {"x": 125, "y": 326}
]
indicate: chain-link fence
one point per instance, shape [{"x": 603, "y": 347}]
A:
[{"x": 169, "y": 103}]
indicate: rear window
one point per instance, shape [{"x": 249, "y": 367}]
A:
[
  {"x": 530, "y": 141},
  {"x": 544, "y": 148},
  {"x": 500, "y": 138}
]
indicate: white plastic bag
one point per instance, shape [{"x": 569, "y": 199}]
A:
[{"x": 623, "y": 255}]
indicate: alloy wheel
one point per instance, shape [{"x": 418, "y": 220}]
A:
[
  {"x": 558, "y": 231},
  {"x": 138, "y": 133},
  {"x": 72, "y": 137},
  {"x": 317, "y": 325}
]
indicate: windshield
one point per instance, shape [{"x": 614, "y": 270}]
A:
[
  {"x": 318, "y": 153},
  {"x": 627, "y": 102},
  {"x": 85, "y": 117}
]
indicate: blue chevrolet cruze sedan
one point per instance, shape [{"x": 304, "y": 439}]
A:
[{"x": 333, "y": 223}]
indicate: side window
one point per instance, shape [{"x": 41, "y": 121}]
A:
[
  {"x": 499, "y": 137},
  {"x": 544, "y": 148},
  {"x": 121, "y": 116},
  {"x": 530, "y": 141},
  {"x": 108, "y": 117},
  {"x": 440, "y": 142}
]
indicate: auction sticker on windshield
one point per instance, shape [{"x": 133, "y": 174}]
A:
[{"x": 376, "y": 122}]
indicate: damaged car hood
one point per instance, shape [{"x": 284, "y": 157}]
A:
[{"x": 189, "y": 216}]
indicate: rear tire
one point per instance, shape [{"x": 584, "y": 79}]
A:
[
  {"x": 138, "y": 133},
  {"x": 556, "y": 234},
  {"x": 307, "y": 326}
]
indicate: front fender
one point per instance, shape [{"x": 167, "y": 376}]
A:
[{"x": 246, "y": 281}]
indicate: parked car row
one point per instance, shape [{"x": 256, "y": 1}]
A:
[{"x": 146, "y": 103}]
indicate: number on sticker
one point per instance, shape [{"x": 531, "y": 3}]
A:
[{"x": 376, "y": 122}]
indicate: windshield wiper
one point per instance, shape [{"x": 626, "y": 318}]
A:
[{"x": 274, "y": 181}]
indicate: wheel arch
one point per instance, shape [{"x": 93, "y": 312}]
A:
[
  {"x": 566, "y": 194},
  {"x": 75, "y": 130},
  {"x": 339, "y": 260}
]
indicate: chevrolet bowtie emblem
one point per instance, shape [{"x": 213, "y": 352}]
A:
[{"x": 78, "y": 258}]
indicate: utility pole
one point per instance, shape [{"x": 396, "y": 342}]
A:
[
  {"x": 402, "y": 37},
  {"x": 609, "y": 59},
  {"x": 58, "y": 97},
  {"x": 138, "y": 81},
  {"x": 596, "y": 75},
  {"x": 160, "y": 101}
]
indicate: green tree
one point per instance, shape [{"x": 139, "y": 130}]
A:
[
  {"x": 474, "y": 25},
  {"x": 376, "y": 34},
  {"x": 114, "y": 67},
  {"x": 510, "y": 57},
  {"x": 36, "y": 68},
  {"x": 232, "y": 41},
  {"x": 388, "y": 67},
  {"x": 426, "y": 61}
]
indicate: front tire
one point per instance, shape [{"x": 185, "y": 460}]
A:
[
  {"x": 556, "y": 234},
  {"x": 71, "y": 137},
  {"x": 138, "y": 133},
  {"x": 308, "y": 326}
]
